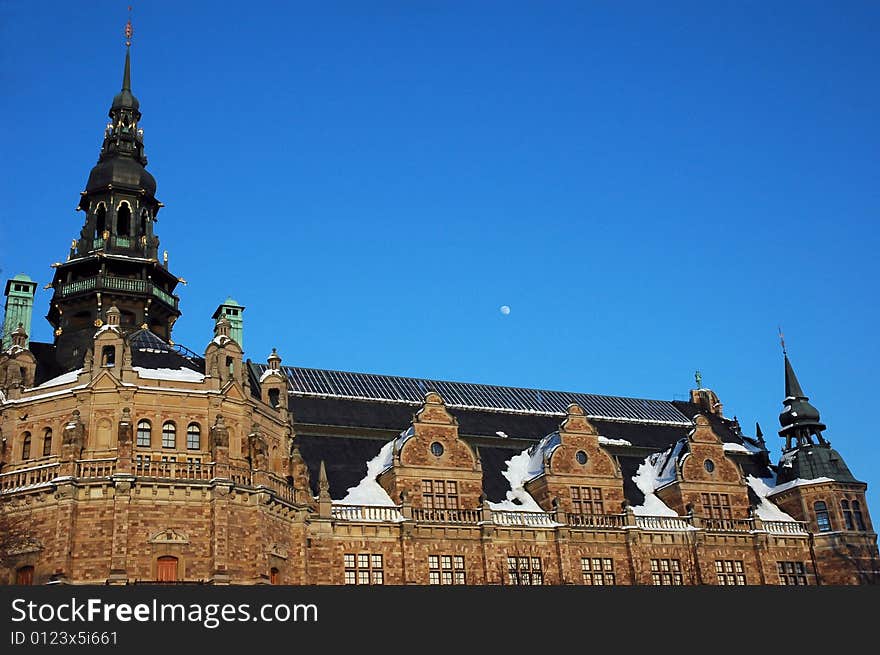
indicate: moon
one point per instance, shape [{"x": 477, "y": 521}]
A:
[{"x": 505, "y": 310}]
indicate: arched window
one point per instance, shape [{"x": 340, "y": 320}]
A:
[
  {"x": 100, "y": 221},
  {"x": 144, "y": 433},
  {"x": 274, "y": 397},
  {"x": 145, "y": 217},
  {"x": 47, "y": 442},
  {"x": 166, "y": 569},
  {"x": 193, "y": 436},
  {"x": 25, "y": 575},
  {"x": 822, "y": 518},
  {"x": 26, "y": 446},
  {"x": 123, "y": 220},
  {"x": 857, "y": 515},
  {"x": 273, "y": 575},
  {"x": 169, "y": 435},
  {"x": 108, "y": 356}
]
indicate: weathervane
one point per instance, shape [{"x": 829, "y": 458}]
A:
[
  {"x": 129, "y": 30},
  {"x": 698, "y": 378},
  {"x": 782, "y": 341}
]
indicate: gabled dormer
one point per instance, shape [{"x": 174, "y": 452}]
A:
[
  {"x": 109, "y": 350},
  {"x": 273, "y": 384},
  {"x": 432, "y": 468},
  {"x": 223, "y": 356},
  {"x": 706, "y": 481},
  {"x": 17, "y": 364},
  {"x": 572, "y": 472}
]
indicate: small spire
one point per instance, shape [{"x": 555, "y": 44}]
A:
[
  {"x": 759, "y": 433},
  {"x": 792, "y": 386},
  {"x": 323, "y": 482},
  {"x": 698, "y": 378}
]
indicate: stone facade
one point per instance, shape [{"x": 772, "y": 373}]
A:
[{"x": 125, "y": 459}]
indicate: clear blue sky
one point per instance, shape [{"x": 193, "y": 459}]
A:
[{"x": 651, "y": 190}]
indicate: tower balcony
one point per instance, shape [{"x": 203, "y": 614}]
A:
[{"x": 110, "y": 283}]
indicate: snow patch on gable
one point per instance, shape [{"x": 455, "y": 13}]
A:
[
  {"x": 657, "y": 470},
  {"x": 766, "y": 509},
  {"x": 517, "y": 474},
  {"x": 614, "y": 442},
  {"x": 368, "y": 491},
  {"x": 270, "y": 373}
]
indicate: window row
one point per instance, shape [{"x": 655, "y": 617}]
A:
[
  {"x": 852, "y": 515},
  {"x": 792, "y": 573},
  {"x": 439, "y": 494},
  {"x": 169, "y": 435},
  {"x": 27, "y": 445},
  {"x": 586, "y": 500}
]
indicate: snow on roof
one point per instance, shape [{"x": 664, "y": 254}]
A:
[
  {"x": 605, "y": 441},
  {"x": 800, "y": 482},
  {"x": 42, "y": 396},
  {"x": 657, "y": 470},
  {"x": 269, "y": 373},
  {"x": 766, "y": 510},
  {"x": 736, "y": 448},
  {"x": 106, "y": 327},
  {"x": 368, "y": 491},
  {"x": 517, "y": 474},
  {"x": 221, "y": 340},
  {"x": 174, "y": 374},
  {"x": 64, "y": 378}
]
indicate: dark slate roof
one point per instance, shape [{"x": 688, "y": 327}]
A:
[
  {"x": 321, "y": 383},
  {"x": 149, "y": 351},
  {"x": 47, "y": 367},
  {"x": 813, "y": 461}
]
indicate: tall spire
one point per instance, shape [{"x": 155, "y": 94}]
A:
[
  {"x": 126, "y": 75},
  {"x": 799, "y": 419}
]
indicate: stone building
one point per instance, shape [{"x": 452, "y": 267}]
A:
[{"x": 126, "y": 458}]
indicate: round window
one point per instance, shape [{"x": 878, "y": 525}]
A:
[
  {"x": 581, "y": 457},
  {"x": 437, "y": 448},
  {"x": 709, "y": 465}
]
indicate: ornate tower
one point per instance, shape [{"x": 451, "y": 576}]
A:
[
  {"x": 19, "y": 293},
  {"x": 115, "y": 259},
  {"x": 814, "y": 484}
]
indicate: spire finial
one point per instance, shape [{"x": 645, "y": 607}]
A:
[
  {"x": 129, "y": 30},
  {"x": 782, "y": 341},
  {"x": 698, "y": 378}
]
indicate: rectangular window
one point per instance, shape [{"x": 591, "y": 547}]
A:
[
  {"x": 666, "y": 572},
  {"x": 363, "y": 568},
  {"x": 716, "y": 506},
  {"x": 446, "y": 569},
  {"x": 792, "y": 573},
  {"x": 730, "y": 572},
  {"x": 439, "y": 495},
  {"x": 525, "y": 570},
  {"x": 587, "y": 500},
  {"x": 597, "y": 570}
]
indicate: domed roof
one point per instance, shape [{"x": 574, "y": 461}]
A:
[
  {"x": 799, "y": 411},
  {"x": 121, "y": 171},
  {"x": 125, "y": 98}
]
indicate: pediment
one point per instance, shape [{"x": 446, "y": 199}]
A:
[{"x": 169, "y": 536}]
